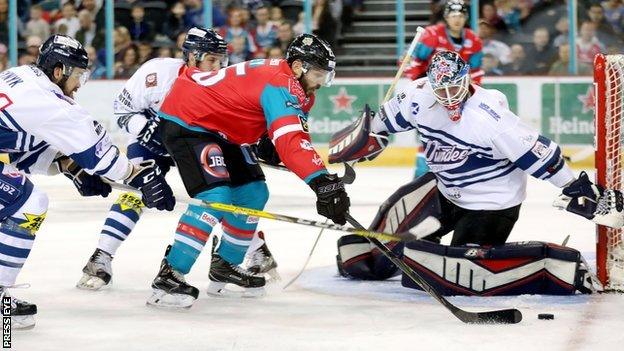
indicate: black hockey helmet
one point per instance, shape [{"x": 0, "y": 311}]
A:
[
  {"x": 200, "y": 41},
  {"x": 314, "y": 51},
  {"x": 453, "y": 6},
  {"x": 61, "y": 51}
]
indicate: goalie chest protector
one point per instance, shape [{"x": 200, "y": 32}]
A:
[{"x": 512, "y": 269}]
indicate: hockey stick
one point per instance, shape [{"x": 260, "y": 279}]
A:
[
  {"x": 408, "y": 56},
  {"x": 305, "y": 265},
  {"x": 508, "y": 316}
]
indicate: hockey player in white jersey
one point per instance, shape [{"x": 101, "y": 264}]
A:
[
  {"x": 136, "y": 108},
  {"x": 479, "y": 151},
  {"x": 43, "y": 130}
]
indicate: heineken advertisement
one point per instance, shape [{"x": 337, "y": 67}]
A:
[{"x": 568, "y": 112}]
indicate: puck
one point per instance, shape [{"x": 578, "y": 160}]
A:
[{"x": 546, "y": 316}]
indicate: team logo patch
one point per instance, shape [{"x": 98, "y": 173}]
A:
[
  {"x": 307, "y": 41},
  {"x": 213, "y": 161},
  {"x": 151, "y": 80},
  {"x": 209, "y": 219},
  {"x": 33, "y": 222},
  {"x": 304, "y": 123},
  {"x": 540, "y": 149}
]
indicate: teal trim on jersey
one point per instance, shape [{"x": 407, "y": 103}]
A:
[
  {"x": 257, "y": 62},
  {"x": 309, "y": 178},
  {"x": 180, "y": 122},
  {"x": 278, "y": 102}
]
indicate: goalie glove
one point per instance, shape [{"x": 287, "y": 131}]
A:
[
  {"x": 356, "y": 142},
  {"x": 589, "y": 200}
]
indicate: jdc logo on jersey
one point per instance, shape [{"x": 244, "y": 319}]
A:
[
  {"x": 444, "y": 157},
  {"x": 213, "y": 161}
]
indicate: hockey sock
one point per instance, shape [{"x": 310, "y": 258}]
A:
[
  {"x": 122, "y": 217},
  {"x": 17, "y": 235},
  {"x": 194, "y": 228},
  {"x": 238, "y": 230}
]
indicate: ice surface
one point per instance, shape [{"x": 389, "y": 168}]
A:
[{"x": 319, "y": 312}]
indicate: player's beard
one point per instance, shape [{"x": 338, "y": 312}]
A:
[{"x": 308, "y": 87}]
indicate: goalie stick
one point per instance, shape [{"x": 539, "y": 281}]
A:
[{"x": 507, "y": 316}]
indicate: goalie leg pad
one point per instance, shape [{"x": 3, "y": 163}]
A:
[
  {"x": 356, "y": 259},
  {"x": 510, "y": 269}
]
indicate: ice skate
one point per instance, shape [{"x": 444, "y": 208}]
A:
[
  {"x": 98, "y": 272},
  {"x": 262, "y": 262},
  {"x": 22, "y": 312},
  {"x": 230, "y": 280},
  {"x": 171, "y": 289}
]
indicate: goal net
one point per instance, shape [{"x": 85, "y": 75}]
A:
[{"x": 609, "y": 115}]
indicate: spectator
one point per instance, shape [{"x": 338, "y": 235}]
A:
[
  {"x": 98, "y": 70},
  {"x": 266, "y": 31},
  {"x": 4, "y": 60},
  {"x": 509, "y": 11},
  {"x": 145, "y": 52},
  {"x": 69, "y": 19},
  {"x": 541, "y": 51},
  {"x": 490, "y": 65},
  {"x": 88, "y": 34},
  {"x": 238, "y": 52},
  {"x": 33, "y": 43},
  {"x": 277, "y": 16},
  {"x": 275, "y": 53},
  {"x": 140, "y": 29},
  {"x": 235, "y": 29},
  {"x": 299, "y": 27},
  {"x": 614, "y": 12},
  {"x": 587, "y": 44},
  {"x": 323, "y": 24},
  {"x": 605, "y": 32},
  {"x": 95, "y": 8},
  {"x": 562, "y": 26},
  {"x": 174, "y": 23},
  {"x": 492, "y": 46},
  {"x": 26, "y": 59},
  {"x": 489, "y": 13},
  {"x": 37, "y": 25},
  {"x": 165, "y": 51},
  {"x": 561, "y": 66},
  {"x": 129, "y": 63},
  {"x": 285, "y": 35},
  {"x": 194, "y": 15},
  {"x": 4, "y": 21},
  {"x": 518, "y": 65}
]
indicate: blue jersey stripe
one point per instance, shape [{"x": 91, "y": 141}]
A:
[
  {"x": 455, "y": 139},
  {"x": 463, "y": 185},
  {"x": 471, "y": 176},
  {"x": 554, "y": 157}
]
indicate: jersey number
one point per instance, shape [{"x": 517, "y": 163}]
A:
[{"x": 211, "y": 78}]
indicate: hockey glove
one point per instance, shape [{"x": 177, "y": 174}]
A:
[
  {"x": 148, "y": 178},
  {"x": 589, "y": 200},
  {"x": 87, "y": 184},
  {"x": 149, "y": 137},
  {"x": 265, "y": 150},
  {"x": 331, "y": 199}
]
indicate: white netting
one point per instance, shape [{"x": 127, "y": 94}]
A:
[{"x": 614, "y": 103}]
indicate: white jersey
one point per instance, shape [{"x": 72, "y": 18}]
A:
[
  {"x": 143, "y": 94},
  {"x": 480, "y": 161},
  {"x": 37, "y": 122}
]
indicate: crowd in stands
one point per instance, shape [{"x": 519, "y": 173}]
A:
[
  {"x": 147, "y": 29},
  {"x": 530, "y": 37}
]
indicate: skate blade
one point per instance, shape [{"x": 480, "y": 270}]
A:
[
  {"x": 219, "y": 289},
  {"x": 272, "y": 276},
  {"x": 161, "y": 299},
  {"x": 89, "y": 282},
  {"x": 23, "y": 322}
]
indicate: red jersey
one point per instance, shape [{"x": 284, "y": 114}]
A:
[
  {"x": 244, "y": 101},
  {"x": 436, "y": 38}
]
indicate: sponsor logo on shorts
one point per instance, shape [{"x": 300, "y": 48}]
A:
[
  {"x": 151, "y": 80},
  {"x": 209, "y": 219},
  {"x": 252, "y": 220},
  {"x": 213, "y": 161}
]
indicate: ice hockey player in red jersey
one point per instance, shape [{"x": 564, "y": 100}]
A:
[
  {"x": 449, "y": 36},
  {"x": 210, "y": 121}
]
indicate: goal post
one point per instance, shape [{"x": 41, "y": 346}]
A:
[{"x": 609, "y": 104}]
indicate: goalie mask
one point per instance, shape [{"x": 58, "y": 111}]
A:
[{"x": 449, "y": 76}]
